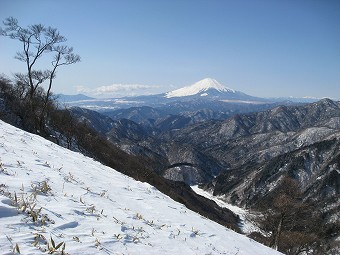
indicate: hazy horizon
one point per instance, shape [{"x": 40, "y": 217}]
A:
[{"x": 97, "y": 95}]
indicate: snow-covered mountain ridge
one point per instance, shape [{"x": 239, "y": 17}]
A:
[
  {"x": 204, "y": 94},
  {"x": 201, "y": 87},
  {"x": 48, "y": 192}
]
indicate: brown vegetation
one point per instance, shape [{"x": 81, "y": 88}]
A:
[{"x": 292, "y": 223}]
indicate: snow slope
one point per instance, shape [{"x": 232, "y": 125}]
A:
[
  {"x": 47, "y": 191},
  {"x": 245, "y": 225},
  {"x": 199, "y": 87}
]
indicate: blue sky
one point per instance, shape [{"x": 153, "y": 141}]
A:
[{"x": 268, "y": 48}]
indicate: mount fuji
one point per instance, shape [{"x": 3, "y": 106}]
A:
[
  {"x": 202, "y": 87},
  {"x": 211, "y": 89}
]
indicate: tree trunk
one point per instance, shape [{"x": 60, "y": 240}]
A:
[{"x": 278, "y": 233}]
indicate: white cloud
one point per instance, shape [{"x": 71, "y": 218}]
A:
[{"x": 117, "y": 89}]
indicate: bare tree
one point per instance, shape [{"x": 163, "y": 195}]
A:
[
  {"x": 38, "y": 40},
  {"x": 292, "y": 224}
]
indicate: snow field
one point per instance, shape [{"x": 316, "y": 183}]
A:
[{"x": 50, "y": 193}]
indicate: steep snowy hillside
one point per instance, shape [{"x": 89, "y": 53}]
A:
[
  {"x": 53, "y": 199},
  {"x": 201, "y": 86}
]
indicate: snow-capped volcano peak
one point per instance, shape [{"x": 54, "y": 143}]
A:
[{"x": 201, "y": 86}]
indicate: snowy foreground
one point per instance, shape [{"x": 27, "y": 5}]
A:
[{"x": 53, "y": 198}]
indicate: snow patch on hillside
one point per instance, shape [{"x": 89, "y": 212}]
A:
[
  {"x": 246, "y": 226},
  {"x": 50, "y": 193},
  {"x": 309, "y": 135}
]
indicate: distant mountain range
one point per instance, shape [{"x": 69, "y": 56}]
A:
[
  {"x": 72, "y": 98},
  {"x": 202, "y": 93},
  {"x": 205, "y": 100}
]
